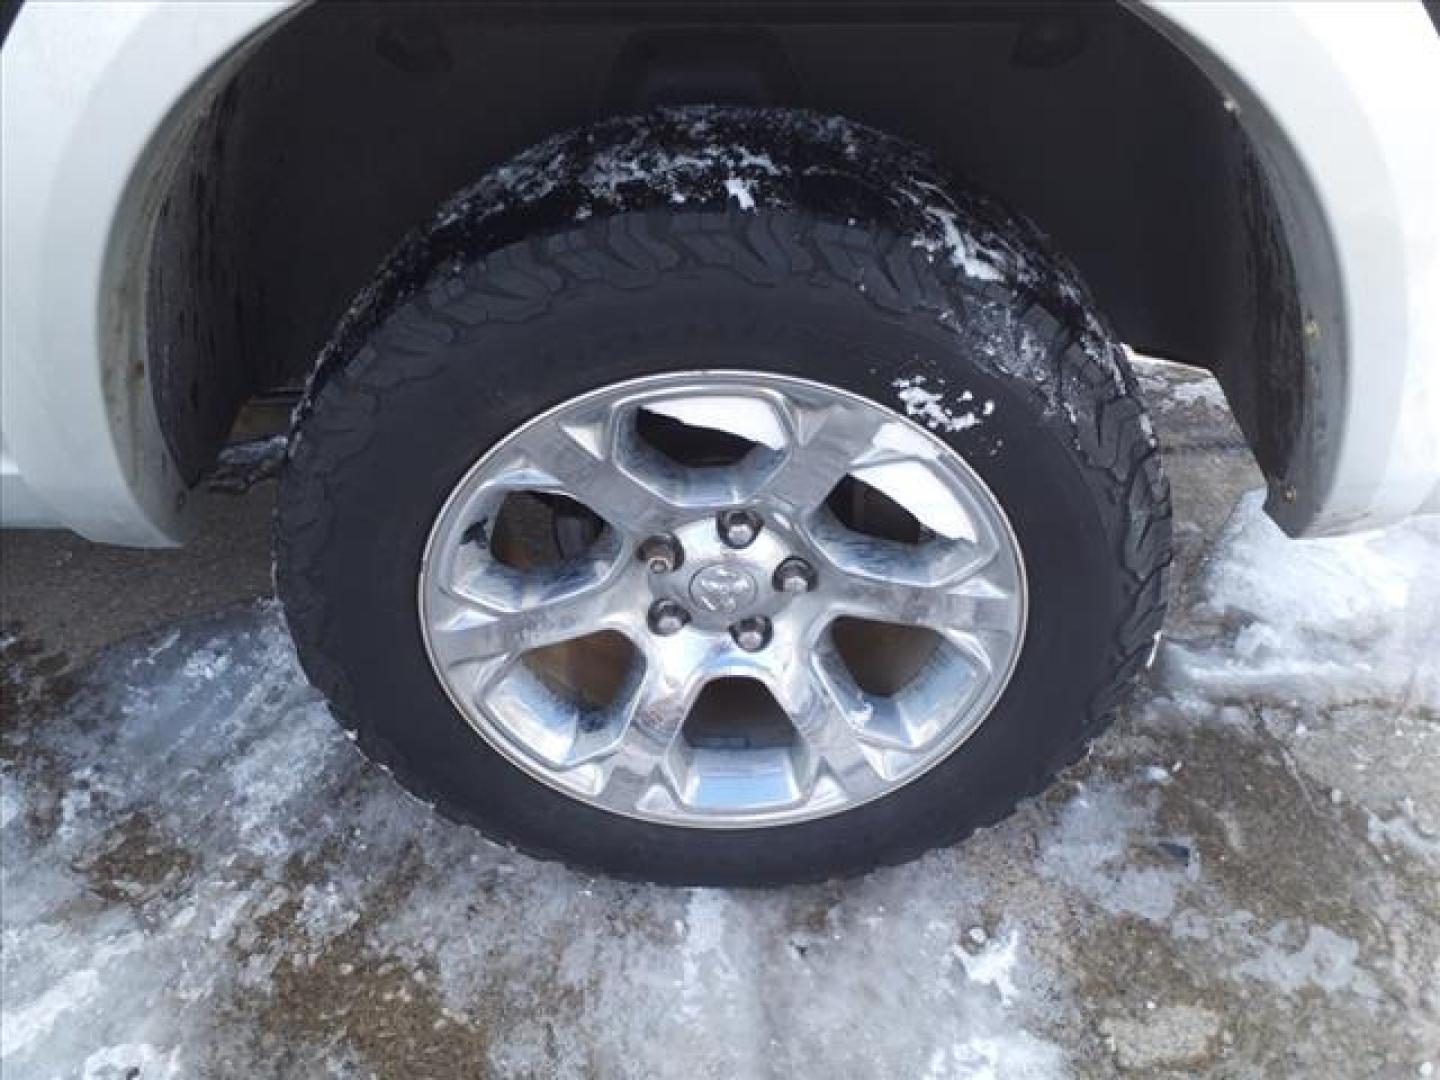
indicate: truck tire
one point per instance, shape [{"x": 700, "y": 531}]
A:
[{"x": 723, "y": 497}]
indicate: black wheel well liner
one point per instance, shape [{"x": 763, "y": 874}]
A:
[{"x": 350, "y": 123}]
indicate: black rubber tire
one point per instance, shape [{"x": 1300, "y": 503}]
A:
[{"x": 438, "y": 373}]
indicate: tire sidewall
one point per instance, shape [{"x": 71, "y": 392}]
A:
[{"x": 432, "y": 404}]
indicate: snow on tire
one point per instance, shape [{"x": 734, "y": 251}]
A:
[{"x": 614, "y": 345}]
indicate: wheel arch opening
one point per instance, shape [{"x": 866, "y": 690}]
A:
[{"x": 348, "y": 124}]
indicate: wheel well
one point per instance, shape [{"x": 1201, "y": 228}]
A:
[{"x": 349, "y": 124}]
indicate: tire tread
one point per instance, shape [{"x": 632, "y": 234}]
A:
[{"x": 517, "y": 283}]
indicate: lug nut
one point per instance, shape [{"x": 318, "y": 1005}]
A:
[
  {"x": 794, "y": 576},
  {"x": 738, "y": 528},
  {"x": 667, "y": 617},
  {"x": 752, "y": 634},
  {"x": 661, "y": 554}
]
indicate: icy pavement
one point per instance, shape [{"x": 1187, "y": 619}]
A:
[{"x": 200, "y": 877}]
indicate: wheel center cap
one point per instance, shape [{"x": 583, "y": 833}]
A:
[{"x": 723, "y": 589}]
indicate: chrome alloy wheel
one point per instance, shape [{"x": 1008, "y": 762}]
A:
[{"x": 722, "y": 599}]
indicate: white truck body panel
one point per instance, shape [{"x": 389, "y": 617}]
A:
[
  {"x": 88, "y": 90},
  {"x": 1355, "y": 90},
  {"x": 94, "y": 90}
]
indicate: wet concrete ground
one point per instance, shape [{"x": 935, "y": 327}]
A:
[{"x": 200, "y": 877}]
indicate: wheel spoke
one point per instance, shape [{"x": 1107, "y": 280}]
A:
[
  {"x": 828, "y": 720},
  {"x": 579, "y": 460},
  {"x": 977, "y": 604},
  {"x": 472, "y": 631},
  {"x": 654, "y": 718},
  {"x": 820, "y": 460},
  {"x": 634, "y": 770},
  {"x": 664, "y": 701}
]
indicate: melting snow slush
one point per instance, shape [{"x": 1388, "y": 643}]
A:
[{"x": 202, "y": 877}]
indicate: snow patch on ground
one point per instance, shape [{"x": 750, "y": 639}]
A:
[
  {"x": 131, "y": 1061},
  {"x": 1321, "y": 621},
  {"x": 1090, "y": 852},
  {"x": 242, "y": 465},
  {"x": 206, "y": 837},
  {"x": 1402, "y": 830},
  {"x": 1169, "y": 386},
  {"x": 1324, "y": 960},
  {"x": 993, "y": 965}
]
